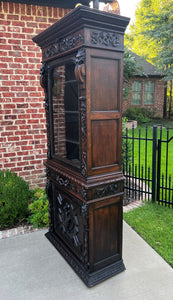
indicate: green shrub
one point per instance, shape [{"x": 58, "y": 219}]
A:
[
  {"x": 39, "y": 212},
  {"x": 14, "y": 197},
  {"x": 126, "y": 145},
  {"x": 140, "y": 114}
]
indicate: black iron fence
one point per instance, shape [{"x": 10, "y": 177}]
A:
[{"x": 148, "y": 164}]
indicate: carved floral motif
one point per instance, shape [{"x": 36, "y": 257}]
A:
[
  {"x": 103, "y": 38},
  {"x": 108, "y": 189},
  {"x": 70, "y": 42},
  {"x": 51, "y": 51}
]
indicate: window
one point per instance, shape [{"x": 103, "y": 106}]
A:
[
  {"x": 136, "y": 92},
  {"x": 149, "y": 92}
]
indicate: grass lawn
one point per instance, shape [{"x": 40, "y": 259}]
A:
[{"x": 154, "y": 223}]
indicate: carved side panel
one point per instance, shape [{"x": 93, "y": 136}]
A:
[
  {"x": 50, "y": 198},
  {"x": 80, "y": 73},
  {"x": 44, "y": 85}
]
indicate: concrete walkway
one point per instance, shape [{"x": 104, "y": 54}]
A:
[{"x": 32, "y": 269}]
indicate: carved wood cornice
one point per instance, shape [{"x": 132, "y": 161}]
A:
[{"x": 62, "y": 45}]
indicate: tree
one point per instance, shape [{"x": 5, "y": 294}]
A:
[{"x": 152, "y": 37}]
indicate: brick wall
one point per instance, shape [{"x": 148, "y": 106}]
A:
[
  {"x": 23, "y": 145},
  {"x": 158, "y": 96}
]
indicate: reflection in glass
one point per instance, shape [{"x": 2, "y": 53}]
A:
[{"x": 65, "y": 113}]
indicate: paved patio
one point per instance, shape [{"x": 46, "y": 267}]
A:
[{"x": 32, "y": 269}]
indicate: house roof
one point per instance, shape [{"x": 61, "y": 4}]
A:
[{"x": 146, "y": 68}]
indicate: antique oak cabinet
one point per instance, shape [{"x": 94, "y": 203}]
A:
[{"x": 82, "y": 75}]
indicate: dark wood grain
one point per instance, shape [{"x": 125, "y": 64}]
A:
[{"x": 82, "y": 79}]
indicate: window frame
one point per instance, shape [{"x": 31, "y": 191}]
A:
[
  {"x": 149, "y": 92},
  {"x": 135, "y": 91}
]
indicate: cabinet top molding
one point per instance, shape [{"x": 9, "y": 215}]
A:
[{"x": 78, "y": 18}]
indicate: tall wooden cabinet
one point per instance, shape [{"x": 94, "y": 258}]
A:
[{"x": 82, "y": 75}]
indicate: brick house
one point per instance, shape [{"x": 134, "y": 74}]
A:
[
  {"x": 23, "y": 142},
  {"x": 146, "y": 90}
]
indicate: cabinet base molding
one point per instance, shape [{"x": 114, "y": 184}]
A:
[{"x": 90, "y": 279}]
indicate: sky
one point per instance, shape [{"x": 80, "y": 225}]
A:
[{"x": 127, "y": 8}]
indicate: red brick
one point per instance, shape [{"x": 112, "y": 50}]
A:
[
  {"x": 6, "y": 23},
  {"x": 28, "y": 54},
  {"x": 10, "y": 117},
  {"x": 32, "y": 24},
  {"x": 16, "y": 169},
  {"x": 13, "y": 18},
  {"x": 25, "y": 116},
  {"x": 44, "y": 26},
  {"x": 9, "y": 165},
  {"x": 5, "y": 7},
  {"x": 16, "y": 8},
  {"x": 20, "y": 122},
  {"x": 26, "y": 137},
  {"x": 9, "y": 154},
  {"x": 23, "y": 105},
  {"x": 28, "y": 9},
  {"x": 17, "y": 89},
  {"x": 27, "y": 18},
  {"x": 13, "y": 138},
  {"x": 27, "y": 43},
  {"x": 14, "y": 41},
  {"x": 20, "y": 133},
  {"x": 27, "y": 30},
  {"x": 18, "y": 36},
  {"x": 6, "y": 59},
  {"x": 11, "y": 128},
  {"x": 11, "y": 7},
  {"x": 50, "y": 11},
  {"x": 5, "y": 47},
  {"x": 40, "y": 19},
  {"x": 20, "y": 71},
  {"x": 24, "y": 127},
  {"x": 36, "y": 121},
  {"x": 60, "y": 12},
  {"x": 29, "y": 168}
]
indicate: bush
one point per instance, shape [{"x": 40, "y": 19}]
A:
[
  {"x": 39, "y": 212},
  {"x": 140, "y": 114},
  {"x": 126, "y": 145},
  {"x": 14, "y": 197}
]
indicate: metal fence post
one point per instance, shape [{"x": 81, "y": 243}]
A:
[{"x": 154, "y": 163}]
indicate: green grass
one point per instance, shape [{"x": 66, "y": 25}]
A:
[{"x": 154, "y": 223}]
